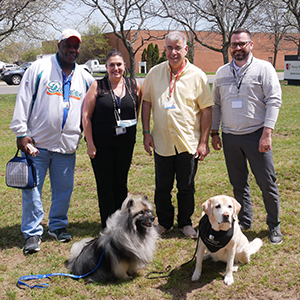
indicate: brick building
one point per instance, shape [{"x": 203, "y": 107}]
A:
[{"x": 206, "y": 59}]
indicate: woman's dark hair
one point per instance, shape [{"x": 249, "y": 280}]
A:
[{"x": 115, "y": 52}]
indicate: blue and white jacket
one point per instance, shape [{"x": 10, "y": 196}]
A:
[{"x": 39, "y": 106}]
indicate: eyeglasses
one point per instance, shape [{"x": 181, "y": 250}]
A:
[
  {"x": 177, "y": 48},
  {"x": 241, "y": 44}
]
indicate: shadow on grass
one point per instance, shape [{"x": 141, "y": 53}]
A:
[
  {"x": 180, "y": 283},
  {"x": 11, "y": 236},
  {"x": 251, "y": 235}
]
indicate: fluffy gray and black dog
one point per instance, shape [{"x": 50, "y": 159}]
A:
[{"x": 128, "y": 241}]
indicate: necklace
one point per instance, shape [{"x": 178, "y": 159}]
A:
[{"x": 113, "y": 96}]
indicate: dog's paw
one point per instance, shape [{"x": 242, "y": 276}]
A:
[
  {"x": 196, "y": 275},
  {"x": 235, "y": 268},
  {"x": 228, "y": 279}
]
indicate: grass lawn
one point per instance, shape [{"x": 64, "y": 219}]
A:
[{"x": 273, "y": 272}]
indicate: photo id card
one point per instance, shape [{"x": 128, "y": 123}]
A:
[
  {"x": 169, "y": 103},
  {"x": 237, "y": 103},
  {"x": 120, "y": 130}
]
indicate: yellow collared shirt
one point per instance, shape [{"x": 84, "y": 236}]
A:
[{"x": 177, "y": 127}]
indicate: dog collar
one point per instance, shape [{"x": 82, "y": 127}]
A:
[{"x": 214, "y": 240}]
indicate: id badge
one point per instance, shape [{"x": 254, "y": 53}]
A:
[
  {"x": 237, "y": 103},
  {"x": 120, "y": 130},
  {"x": 169, "y": 103}
]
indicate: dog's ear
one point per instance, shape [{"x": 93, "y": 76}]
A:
[
  {"x": 207, "y": 207},
  {"x": 236, "y": 206},
  {"x": 130, "y": 203}
]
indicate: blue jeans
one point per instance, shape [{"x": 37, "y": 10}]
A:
[{"x": 61, "y": 172}]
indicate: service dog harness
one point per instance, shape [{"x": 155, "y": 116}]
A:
[{"x": 214, "y": 240}]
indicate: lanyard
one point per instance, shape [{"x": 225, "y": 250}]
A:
[
  {"x": 239, "y": 83},
  {"x": 117, "y": 114},
  {"x": 118, "y": 101},
  {"x": 176, "y": 77},
  {"x": 66, "y": 94}
]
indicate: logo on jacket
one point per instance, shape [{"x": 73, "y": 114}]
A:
[{"x": 55, "y": 88}]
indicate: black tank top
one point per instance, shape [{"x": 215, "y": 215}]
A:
[{"x": 104, "y": 121}]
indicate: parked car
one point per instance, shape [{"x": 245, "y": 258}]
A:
[
  {"x": 2, "y": 64},
  {"x": 14, "y": 76},
  {"x": 8, "y": 67},
  {"x": 93, "y": 66}
]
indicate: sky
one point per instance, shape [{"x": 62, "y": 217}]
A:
[{"x": 75, "y": 20}]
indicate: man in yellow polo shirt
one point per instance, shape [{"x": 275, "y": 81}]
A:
[{"x": 179, "y": 96}]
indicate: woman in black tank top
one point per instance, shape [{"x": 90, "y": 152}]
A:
[{"x": 109, "y": 118}]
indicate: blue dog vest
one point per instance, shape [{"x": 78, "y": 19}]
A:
[{"x": 214, "y": 240}]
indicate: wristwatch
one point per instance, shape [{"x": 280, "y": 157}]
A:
[{"x": 214, "y": 133}]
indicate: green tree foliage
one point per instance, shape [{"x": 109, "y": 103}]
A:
[
  {"x": 13, "y": 52},
  {"x": 162, "y": 58},
  {"x": 49, "y": 47},
  {"x": 144, "y": 55},
  {"x": 151, "y": 55},
  {"x": 156, "y": 53},
  {"x": 30, "y": 55},
  {"x": 150, "y": 58},
  {"x": 94, "y": 44},
  {"x": 144, "y": 58},
  {"x": 190, "y": 53}
]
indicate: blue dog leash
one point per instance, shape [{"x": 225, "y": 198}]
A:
[{"x": 46, "y": 285}]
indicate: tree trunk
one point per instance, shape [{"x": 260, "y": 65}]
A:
[
  {"x": 275, "y": 53},
  {"x": 225, "y": 55},
  {"x": 132, "y": 62},
  {"x": 275, "y": 59}
]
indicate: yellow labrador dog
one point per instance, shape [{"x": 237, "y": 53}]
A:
[{"x": 221, "y": 236}]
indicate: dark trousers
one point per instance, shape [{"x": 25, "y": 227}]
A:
[
  {"x": 111, "y": 166},
  {"x": 238, "y": 149},
  {"x": 184, "y": 167}
]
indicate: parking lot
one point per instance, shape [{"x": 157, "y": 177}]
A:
[
  {"x": 13, "y": 89},
  {"x": 8, "y": 89}
]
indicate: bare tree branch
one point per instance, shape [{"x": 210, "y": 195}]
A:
[
  {"x": 126, "y": 18},
  {"x": 273, "y": 21},
  {"x": 29, "y": 17},
  {"x": 219, "y": 17},
  {"x": 293, "y": 7}
]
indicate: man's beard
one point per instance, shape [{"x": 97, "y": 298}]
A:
[{"x": 240, "y": 55}]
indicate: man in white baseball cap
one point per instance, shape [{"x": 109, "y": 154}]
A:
[
  {"x": 67, "y": 33},
  {"x": 48, "y": 114},
  {"x": 68, "y": 49}
]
